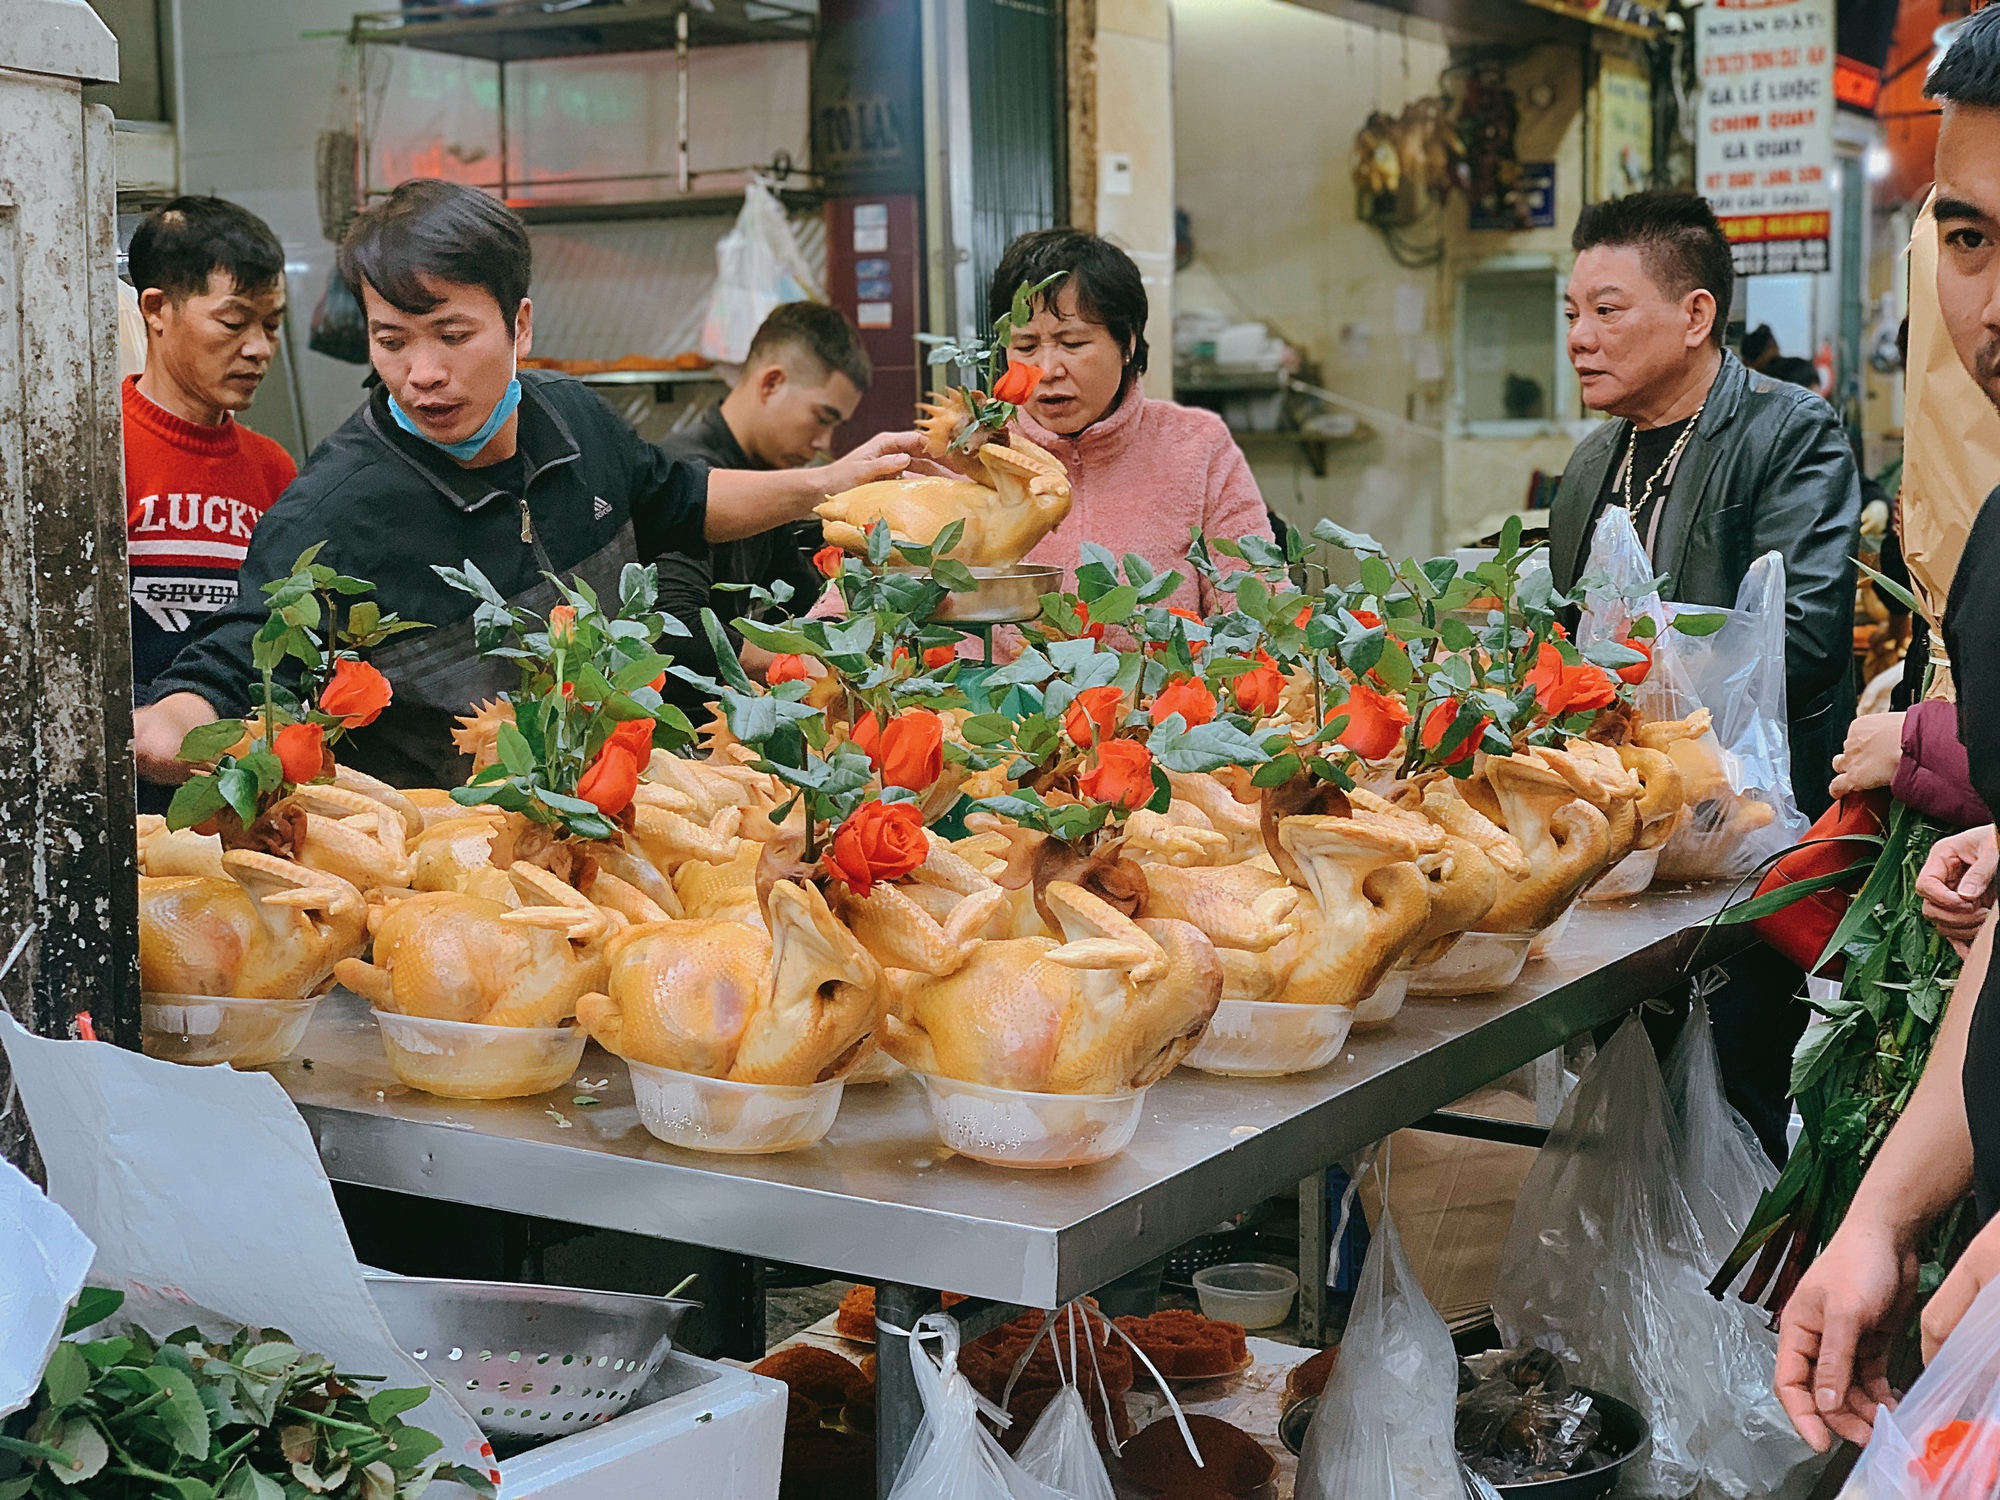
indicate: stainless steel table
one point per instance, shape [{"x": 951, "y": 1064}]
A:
[{"x": 878, "y": 1200}]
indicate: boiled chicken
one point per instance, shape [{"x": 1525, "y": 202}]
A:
[
  {"x": 1564, "y": 842},
  {"x": 933, "y": 918},
  {"x": 724, "y": 1000},
  {"x": 1368, "y": 904},
  {"x": 1463, "y": 882},
  {"x": 1023, "y": 495},
  {"x": 1112, "y": 1007},
  {"x": 451, "y": 956},
  {"x": 264, "y": 928},
  {"x": 350, "y": 834}
]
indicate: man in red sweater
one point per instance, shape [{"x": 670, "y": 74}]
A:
[{"x": 211, "y": 283}]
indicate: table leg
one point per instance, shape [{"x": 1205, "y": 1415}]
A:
[
  {"x": 898, "y": 1412},
  {"x": 1312, "y": 1260}
]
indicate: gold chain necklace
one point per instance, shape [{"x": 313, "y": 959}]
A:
[{"x": 1623, "y": 485}]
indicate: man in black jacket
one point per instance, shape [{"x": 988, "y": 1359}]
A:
[
  {"x": 456, "y": 455},
  {"x": 1716, "y": 464},
  {"x": 805, "y": 374}
]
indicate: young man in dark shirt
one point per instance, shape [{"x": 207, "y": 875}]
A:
[
  {"x": 1834, "y": 1340},
  {"x": 805, "y": 374},
  {"x": 459, "y": 454}
]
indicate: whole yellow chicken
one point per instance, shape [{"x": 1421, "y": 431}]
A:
[
  {"x": 798, "y": 1006},
  {"x": 261, "y": 928},
  {"x": 1111, "y": 1008},
  {"x": 1018, "y": 495}
]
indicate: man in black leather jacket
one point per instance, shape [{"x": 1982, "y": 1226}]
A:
[{"x": 1717, "y": 465}]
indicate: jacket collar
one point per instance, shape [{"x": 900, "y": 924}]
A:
[
  {"x": 542, "y": 438},
  {"x": 1105, "y": 438}
]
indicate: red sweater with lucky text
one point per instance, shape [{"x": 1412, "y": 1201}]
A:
[{"x": 193, "y": 495}]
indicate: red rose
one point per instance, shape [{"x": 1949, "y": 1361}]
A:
[
  {"x": 301, "y": 750},
  {"x": 1299, "y": 620},
  {"x": 939, "y": 656},
  {"x": 1122, "y": 775},
  {"x": 879, "y": 841},
  {"x": 611, "y": 781},
  {"x": 1185, "y": 614},
  {"x": 1375, "y": 722},
  {"x": 828, "y": 560},
  {"x": 1259, "y": 690},
  {"x": 562, "y": 625},
  {"x": 635, "y": 738},
  {"x": 1437, "y": 724},
  {"x": 1562, "y": 688},
  {"x": 1018, "y": 384},
  {"x": 788, "y": 666},
  {"x": 912, "y": 750},
  {"x": 866, "y": 736},
  {"x": 1090, "y": 631},
  {"x": 1635, "y": 672},
  {"x": 1367, "y": 617},
  {"x": 1094, "y": 715},
  {"x": 356, "y": 694},
  {"x": 1189, "y": 697}
]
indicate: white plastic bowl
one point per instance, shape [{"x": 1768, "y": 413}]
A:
[
  {"x": 1268, "y": 1038},
  {"x": 1247, "y": 1292},
  {"x": 877, "y": 1067},
  {"x": 1380, "y": 1008},
  {"x": 1478, "y": 963},
  {"x": 1013, "y": 1129},
  {"x": 201, "y": 1029},
  {"x": 468, "y": 1060},
  {"x": 738, "y": 1119},
  {"x": 1549, "y": 936},
  {"x": 1629, "y": 877}
]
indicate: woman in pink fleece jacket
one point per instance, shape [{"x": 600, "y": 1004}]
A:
[{"x": 1143, "y": 472}]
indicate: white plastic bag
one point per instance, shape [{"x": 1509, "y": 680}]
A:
[
  {"x": 1384, "y": 1428},
  {"x": 1942, "y": 1442},
  {"x": 1605, "y": 1266},
  {"x": 758, "y": 265},
  {"x": 1738, "y": 778},
  {"x": 1616, "y": 583},
  {"x": 1724, "y": 1170},
  {"x": 954, "y": 1457},
  {"x": 43, "y": 1260},
  {"x": 1060, "y": 1449}
]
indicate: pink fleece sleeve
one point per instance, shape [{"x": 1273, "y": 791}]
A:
[
  {"x": 1934, "y": 775},
  {"x": 1234, "y": 507}
]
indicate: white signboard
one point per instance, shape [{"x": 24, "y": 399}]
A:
[{"x": 1764, "y": 158}]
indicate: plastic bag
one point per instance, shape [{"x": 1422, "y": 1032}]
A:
[
  {"x": 1605, "y": 1265},
  {"x": 339, "y": 331},
  {"x": 1060, "y": 1449},
  {"x": 1616, "y": 583},
  {"x": 758, "y": 265},
  {"x": 1384, "y": 1426},
  {"x": 1942, "y": 1442},
  {"x": 954, "y": 1457},
  {"x": 1724, "y": 1170},
  {"x": 1737, "y": 778}
]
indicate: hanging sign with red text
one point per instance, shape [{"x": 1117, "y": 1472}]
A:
[{"x": 1764, "y": 158}]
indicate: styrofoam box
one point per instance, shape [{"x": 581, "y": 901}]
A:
[{"x": 720, "y": 1432}]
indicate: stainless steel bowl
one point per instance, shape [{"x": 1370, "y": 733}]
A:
[
  {"x": 1005, "y": 596},
  {"x": 530, "y": 1363}
]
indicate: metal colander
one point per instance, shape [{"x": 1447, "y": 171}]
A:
[{"x": 530, "y": 1363}]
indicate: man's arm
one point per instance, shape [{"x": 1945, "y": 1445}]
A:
[
  {"x": 1809, "y": 512},
  {"x": 1833, "y": 1342},
  {"x": 744, "y": 503}
]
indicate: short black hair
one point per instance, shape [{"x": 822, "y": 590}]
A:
[
  {"x": 178, "y": 247},
  {"x": 1760, "y": 344},
  {"x": 1678, "y": 239},
  {"x": 1968, "y": 71},
  {"x": 818, "y": 330},
  {"x": 1109, "y": 289},
  {"x": 1794, "y": 370},
  {"x": 443, "y": 230}
]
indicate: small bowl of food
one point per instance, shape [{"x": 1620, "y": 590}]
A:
[
  {"x": 1269, "y": 1038},
  {"x": 1248, "y": 1292},
  {"x": 241, "y": 1031},
  {"x": 1011, "y": 1128},
  {"x": 470, "y": 1060},
  {"x": 736, "y": 1119}
]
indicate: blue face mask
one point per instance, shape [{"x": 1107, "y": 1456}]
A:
[{"x": 468, "y": 450}]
